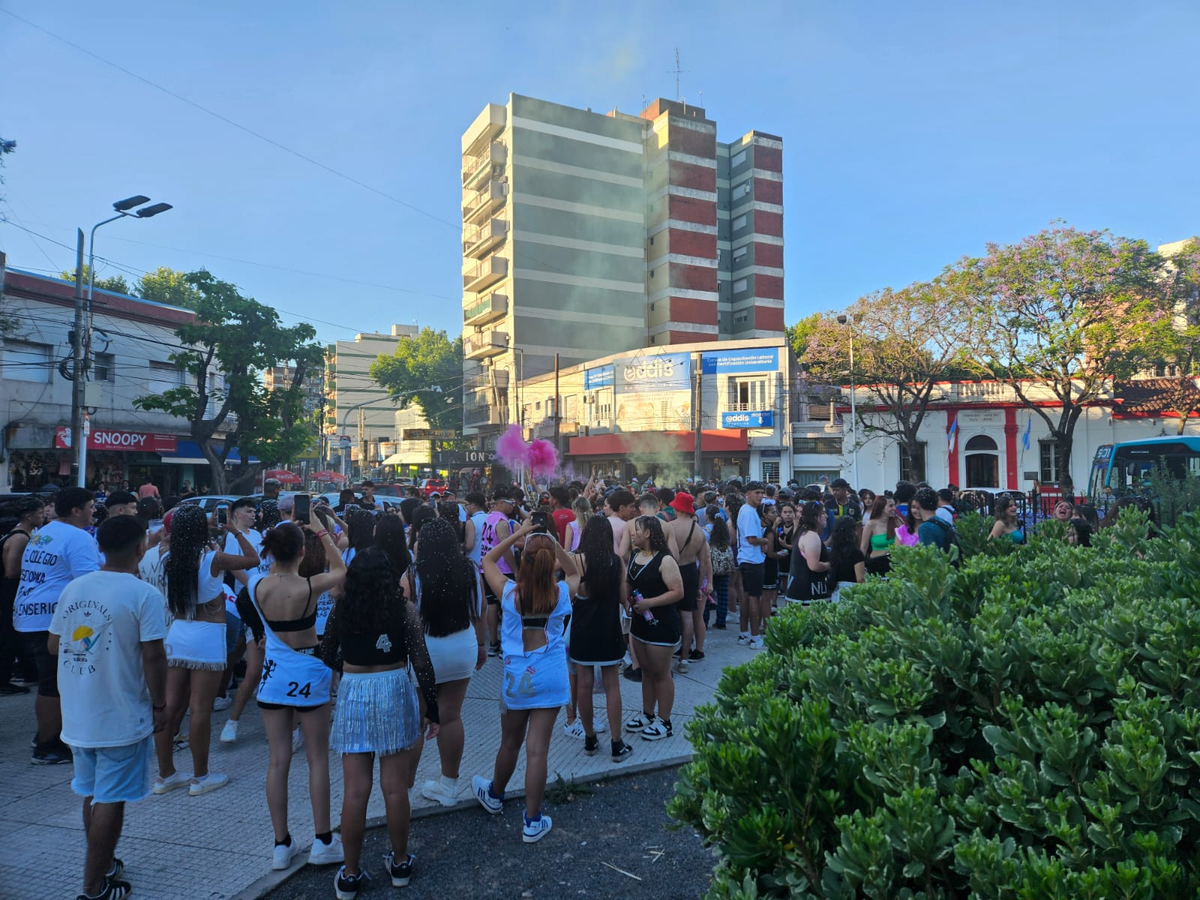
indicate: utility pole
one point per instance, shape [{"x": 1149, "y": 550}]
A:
[
  {"x": 78, "y": 438},
  {"x": 697, "y": 413},
  {"x": 557, "y": 411},
  {"x": 362, "y": 443}
]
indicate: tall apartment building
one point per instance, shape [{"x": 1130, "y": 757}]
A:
[
  {"x": 351, "y": 396},
  {"x": 587, "y": 234}
]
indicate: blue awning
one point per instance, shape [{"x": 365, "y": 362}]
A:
[{"x": 187, "y": 453}]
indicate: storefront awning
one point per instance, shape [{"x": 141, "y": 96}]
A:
[
  {"x": 716, "y": 441},
  {"x": 187, "y": 453},
  {"x": 394, "y": 460}
]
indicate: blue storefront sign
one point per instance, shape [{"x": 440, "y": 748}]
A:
[
  {"x": 661, "y": 372},
  {"x": 759, "y": 419},
  {"x": 732, "y": 362},
  {"x": 593, "y": 379}
]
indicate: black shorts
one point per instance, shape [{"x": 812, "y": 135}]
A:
[
  {"x": 489, "y": 594},
  {"x": 299, "y": 709},
  {"x": 690, "y": 574},
  {"x": 752, "y": 578},
  {"x": 47, "y": 663}
]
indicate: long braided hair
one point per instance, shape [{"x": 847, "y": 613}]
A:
[
  {"x": 189, "y": 541},
  {"x": 447, "y": 580}
]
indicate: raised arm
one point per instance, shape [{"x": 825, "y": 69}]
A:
[
  {"x": 566, "y": 562},
  {"x": 496, "y": 579},
  {"x": 228, "y": 562}
]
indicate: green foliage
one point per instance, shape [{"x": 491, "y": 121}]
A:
[
  {"x": 1026, "y": 726},
  {"x": 232, "y": 340},
  {"x": 165, "y": 285},
  {"x": 430, "y": 360},
  {"x": 1173, "y": 497},
  {"x": 115, "y": 283}
]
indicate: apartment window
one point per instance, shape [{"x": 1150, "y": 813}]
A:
[
  {"x": 740, "y": 285},
  {"x": 164, "y": 376},
  {"x": 26, "y": 362},
  {"x": 737, "y": 159},
  {"x": 651, "y": 273},
  {"x": 748, "y": 394},
  {"x": 102, "y": 367},
  {"x": 739, "y": 222},
  {"x": 651, "y": 307},
  {"x": 826, "y": 445},
  {"x": 740, "y": 253},
  {"x": 741, "y": 318},
  {"x": 651, "y": 242},
  {"x": 1050, "y": 462},
  {"x": 912, "y": 466},
  {"x": 741, "y": 190}
]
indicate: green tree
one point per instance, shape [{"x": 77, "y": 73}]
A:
[
  {"x": 411, "y": 374},
  {"x": 1067, "y": 311},
  {"x": 115, "y": 283},
  {"x": 166, "y": 285},
  {"x": 906, "y": 343},
  {"x": 232, "y": 340},
  {"x": 799, "y": 334},
  {"x": 6, "y": 147},
  {"x": 1174, "y": 342}
]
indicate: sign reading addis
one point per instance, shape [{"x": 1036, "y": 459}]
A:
[
  {"x": 127, "y": 441},
  {"x": 663, "y": 372},
  {"x": 758, "y": 419}
]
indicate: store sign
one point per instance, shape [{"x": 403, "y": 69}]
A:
[
  {"x": 125, "y": 441},
  {"x": 451, "y": 458},
  {"x": 663, "y": 372},
  {"x": 594, "y": 379},
  {"x": 733, "y": 362},
  {"x": 428, "y": 434},
  {"x": 761, "y": 419},
  {"x": 980, "y": 417}
]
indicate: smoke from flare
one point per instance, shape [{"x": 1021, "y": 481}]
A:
[
  {"x": 511, "y": 449},
  {"x": 542, "y": 458}
]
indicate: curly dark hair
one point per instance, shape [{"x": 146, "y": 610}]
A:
[
  {"x": 447, "y": 580},
  {"x": 658, "y": 538},
  {"x": 602, "y": 568},
  {"x": 189, "y": 541},
  {"x": 719, "y": 537},
  {"x": 843, "y": 542},
  {"x": 420, "y": 517},
  {"x": 372, "y": 596},
  {"x": 360, "y": 529}
]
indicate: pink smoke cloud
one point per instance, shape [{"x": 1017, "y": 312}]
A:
[
  {"x": 542, "y": 458},
  {"x": 511, "y": 449}
]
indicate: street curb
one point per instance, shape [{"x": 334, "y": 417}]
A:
[{"x": 272, "y": 880}]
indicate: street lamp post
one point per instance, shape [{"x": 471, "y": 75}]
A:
[
  {"x": 346, "y": 415},
  {"x": 846, "y": 320},
  {"x": 126, "y": 209}
]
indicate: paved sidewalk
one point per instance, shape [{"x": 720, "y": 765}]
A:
[{"x": 218, "y": 846}]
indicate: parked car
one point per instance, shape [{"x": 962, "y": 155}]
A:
[
  {"x": 383, "y": 500},
  {"x": 209, "y": 502},
  {"x": 429, "y": 485}
]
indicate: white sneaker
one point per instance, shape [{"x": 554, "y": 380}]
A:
[
  {"x": 575, "y": 730},
  {"x": 743, "y": 639},
  {"x": 322, "y": 854},
  {"x": 483, "y": 787},
  {"x": 221, "y": 703},
  {"x": 681, "y": 666},
  {"x": 442, "y": 790},
  {"x": 281, "y": 856},
  {"x": 209, "y": 782},
  {"x": 600, "y": 724},
  {"x": 638, "y": 722},
  {"x": 537, "y": 829},
  {"x": 756, "y": 643},
  {"x": 229, "y": 732},
  {"x": 168, "y": 784}
]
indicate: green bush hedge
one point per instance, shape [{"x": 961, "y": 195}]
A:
[{"x": 1026, "y": 726}]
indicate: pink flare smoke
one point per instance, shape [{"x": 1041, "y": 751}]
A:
[
  {"x": 543, "y": 459},
  {"x": 511, "y": 449}
]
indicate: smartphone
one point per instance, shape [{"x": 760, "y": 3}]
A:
[
  {"x": 303, "y": 504},
  {"x": 541, "y": 521},
  {"x": 222, "y": 515}
]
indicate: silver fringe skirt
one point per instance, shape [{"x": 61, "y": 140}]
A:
[
  {"x": 196, "y": 645},
  {"x": 377, "y": 712}
]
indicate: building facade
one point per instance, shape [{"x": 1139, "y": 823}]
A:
[
  {"x": 587, "y": 234},
  {"x": 355, "y": 406},
  {"x": 133, "y": 340}
]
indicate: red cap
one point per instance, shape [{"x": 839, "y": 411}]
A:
[{"x": 683, "y": 503}]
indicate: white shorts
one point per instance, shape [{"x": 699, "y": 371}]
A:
[{"x": 453, "y": 656}]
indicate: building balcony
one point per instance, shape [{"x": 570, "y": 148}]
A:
[
  {"x": 488, "y": 309},
  {"x": 482, "y": 416},
  {"x": 478, "y": 240},
  {"x": 485, "y": 344},
  {"x": 478, "y": 275},
  {"x": 478, "y": 205},
  {"x": 478, "y": 169}
]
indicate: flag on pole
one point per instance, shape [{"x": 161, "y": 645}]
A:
[
  {"x": 1028, "y": 429},
  {"x": 952, "y": 433}
]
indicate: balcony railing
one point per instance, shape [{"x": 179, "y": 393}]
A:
[
  {"x": 492, "y": 307},
  {"x": 483, "y": 202},
  {"x": 477, "y": 169},
  {"x": 480, "y": 239},
  {"x": 486, "y": 343},
  {"x": 481, "y": 416},
  {"x": 483, "y": 274}
]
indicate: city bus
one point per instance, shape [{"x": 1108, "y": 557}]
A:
[{"x": 1125, "y": 468}]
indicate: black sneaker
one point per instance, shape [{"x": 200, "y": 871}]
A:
[
  {"x": 346, "y": 887},
  {"x": 52, "y": 754},
  {"x": 494, "y": 649},
  {"x": 113, "y": 890},
  {"x": 9, "y": 689},
  {"x": 116, "y": 870},
  {"x": 719, "y": 626},
  {"x": 591, "y": 744},
  {"x": 696, "y": 656},
  {"x": 402, "y": 873},
  {"x": 632, "y": 674},
  {"x": 621, "y": 751}
]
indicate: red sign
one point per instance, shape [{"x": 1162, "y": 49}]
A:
[{"x": 127, "y": 441}]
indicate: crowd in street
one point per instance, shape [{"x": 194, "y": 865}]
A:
[{"x": 358, "y": 626}]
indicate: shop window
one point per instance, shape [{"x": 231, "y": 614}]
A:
[{"x": 24, "y": 361}]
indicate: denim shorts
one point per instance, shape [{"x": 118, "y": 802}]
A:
[{"x": 114, "y": 774}]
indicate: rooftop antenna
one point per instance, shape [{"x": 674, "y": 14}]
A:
[{"x": 678, "y": 72}]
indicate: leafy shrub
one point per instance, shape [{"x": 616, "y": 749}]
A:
[{"x": 1026, "y": 726}]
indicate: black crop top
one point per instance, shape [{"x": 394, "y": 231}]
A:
[
  {"x": 403, "y": 638},
  {"x": 306, "y": 621}
]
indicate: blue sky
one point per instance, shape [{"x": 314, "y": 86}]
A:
[{"x": 914, "y": 132}]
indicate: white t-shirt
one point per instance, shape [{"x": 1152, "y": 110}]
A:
[
  {"x": 476, "y": 552},
  {"x": 233, "y": 548},
  {"x": 55, "y": 555},
  {"x": 749, "y": 525},
  {"x": 102, "y": 619}
]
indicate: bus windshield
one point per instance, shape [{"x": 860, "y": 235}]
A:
[{"x": 1134, "y": 463}]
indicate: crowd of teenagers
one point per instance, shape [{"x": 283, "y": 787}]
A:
[{"x": 358, "y": 627}]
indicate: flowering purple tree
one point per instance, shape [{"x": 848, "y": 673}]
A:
[
  {"x": 907, "y": 343},
  {"x": 1174, "y": 342},
  {"x": 1067, "y": 311}
]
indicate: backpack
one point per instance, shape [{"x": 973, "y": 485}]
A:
[{"x": 956, "y": 557}]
